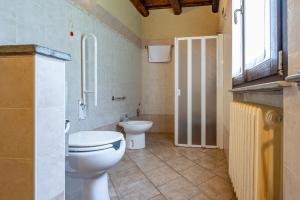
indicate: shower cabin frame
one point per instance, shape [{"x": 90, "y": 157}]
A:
[{"x": 219, "y": 91}]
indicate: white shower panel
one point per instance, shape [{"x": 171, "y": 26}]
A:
[{"x": 196, "y": 72}]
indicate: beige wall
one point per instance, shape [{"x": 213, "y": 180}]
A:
[
  {"x": 125, "y": 12},
  {"x": 157, "y": 86},
  {"x": 162, "y": 26},
  {"x": 225, "y": 28},
  {"x": 291, "y": 100}
]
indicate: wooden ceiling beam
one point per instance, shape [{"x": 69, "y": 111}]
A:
[
  {"x": 143, "y": 6},
  {"x": 215, "y": 5},
  {"x": 153, "y": 7},
  {"x": 140, "y": 7},
  {"x": 204, "y": 3},
  {"x": 176, "y": 6}
]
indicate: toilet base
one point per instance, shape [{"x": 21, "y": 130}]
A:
[
  {"x": 135, "y": 141},
  {"x": 96, "y": 188}
]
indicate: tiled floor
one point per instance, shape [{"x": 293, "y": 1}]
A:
[{"x": 163, "y": 171}]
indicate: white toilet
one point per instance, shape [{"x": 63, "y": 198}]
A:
[
  {"x": 135, "y": 133},
  {"x": 90, "y": 155}
]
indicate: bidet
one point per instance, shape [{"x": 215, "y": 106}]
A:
[{"x": 135, "y": 133}]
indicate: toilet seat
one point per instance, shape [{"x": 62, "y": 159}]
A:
[{"x": 88, "y": 141}]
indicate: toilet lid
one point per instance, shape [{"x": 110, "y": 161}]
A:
[{"x": 94, "y": 138}]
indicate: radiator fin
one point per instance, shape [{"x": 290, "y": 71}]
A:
[{"x": 253, "y": 150}]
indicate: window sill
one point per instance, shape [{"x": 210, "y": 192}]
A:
[{"x": 264, "y": 87}]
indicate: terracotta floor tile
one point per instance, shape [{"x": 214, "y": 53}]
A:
[
  {"x": 134, "y": 186},
  {"x": 125, "y": 182},
  {"x": 154, "y": 145},
  {"x": 222, "y": 171},
  {"x": 179, "y": 189},
  {"x": 138, "y": 155},
  {"x": 179, "y": 173},
  {"x": 209, "y": 163},
  {"x": 183, "y": 150},
  {"x": 143, "y": 190},
  {"x": 197, "y": 174},
  {"x": 191, "y": 153},
  {"x": 150, "y": 164},
  {"x": 217, "y": 189},
  {"x": 200, "y": 196},
  {"x": 122, "y": 167},
  {"x": 180, "y": 163},
  {"x": 112, "y": 192},
  {"x": 215, "y": 153},
  {"x": 159, "y": 197},
  {"x": 165, "y": 153},
  {"x": 161, "y": 175}
]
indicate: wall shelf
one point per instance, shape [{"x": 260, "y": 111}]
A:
[{"x": 265, "y": 87}]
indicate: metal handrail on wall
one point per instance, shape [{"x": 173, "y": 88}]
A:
[{"x": 84, "y": 90}]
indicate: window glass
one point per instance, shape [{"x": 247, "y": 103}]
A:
[
  {"x": 237, "y": 40},
  {"x": 257, "y": 32}
]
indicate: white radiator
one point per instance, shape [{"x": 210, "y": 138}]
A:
[{"x": 255, "y": 150}]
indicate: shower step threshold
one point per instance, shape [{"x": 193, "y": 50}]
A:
[{"x": 264, "y": 87}]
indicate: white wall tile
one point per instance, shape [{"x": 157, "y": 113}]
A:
[
  {"x": 49, "y": 23},
  {"x": 49, "y": 127}
]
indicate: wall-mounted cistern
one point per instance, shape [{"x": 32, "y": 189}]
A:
[{"x": 84, "y": 90}]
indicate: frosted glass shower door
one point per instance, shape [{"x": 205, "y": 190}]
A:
[
  {"x": 196, "y": 91},
  {"x": 210, "y": 92},
  {"x": 182, "y": 97}
]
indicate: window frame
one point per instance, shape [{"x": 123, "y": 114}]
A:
[{"x": 269, "y": 70}]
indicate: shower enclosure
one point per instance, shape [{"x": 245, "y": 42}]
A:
[{"x": 197, "y": 77}]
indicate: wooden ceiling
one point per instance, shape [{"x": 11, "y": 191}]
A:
[{"x": 143, "y": 6}]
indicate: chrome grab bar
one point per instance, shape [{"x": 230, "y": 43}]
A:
[{"x": 83, "y": 57}]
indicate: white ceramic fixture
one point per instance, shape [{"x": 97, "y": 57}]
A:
[
  {"x": 135, "y": 133},
  {"x": 91, "y": 154}
]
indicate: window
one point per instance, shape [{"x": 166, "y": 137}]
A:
[{"x": 256, "y": 41}]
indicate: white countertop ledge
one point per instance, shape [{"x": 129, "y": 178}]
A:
[
  {"x": 21, "y": 49},
  {"x": 264, "y": 87}
]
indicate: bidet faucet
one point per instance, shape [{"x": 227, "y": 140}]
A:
[{"x": 124, "y": 118}]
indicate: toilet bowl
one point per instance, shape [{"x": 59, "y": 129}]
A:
[
  {"x": 135, "y": 133},
  {"x": 91, "y": 154}
]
